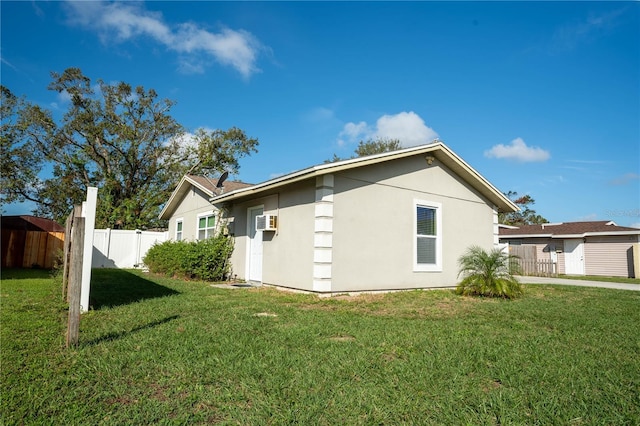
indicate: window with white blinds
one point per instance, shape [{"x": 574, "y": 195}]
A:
[{"x": 428, "y": 236}]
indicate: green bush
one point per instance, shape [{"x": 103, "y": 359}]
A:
[
  {"x": 488, "y": 273},
  {"x": 206, "y": 260}
]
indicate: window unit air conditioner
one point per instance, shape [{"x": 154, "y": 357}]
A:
[{"x": 266, "y": 222}]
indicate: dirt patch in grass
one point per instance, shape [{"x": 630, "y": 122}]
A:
[
  {"x": 342, "y": 338},
  {"x": 492, "y": 385}
]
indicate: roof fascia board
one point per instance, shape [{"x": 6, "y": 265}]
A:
[
  {"x": 527, "y": 236},
  {"x": 450, "y": 157},
  {"x": 175, "y": 195},
  {"x": 494, "y": 195},
  {"x": 319, "y": 170},
  {"x": 584, "y": 234}
]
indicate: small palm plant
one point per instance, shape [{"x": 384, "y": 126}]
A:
[{"x": 488, "y": 273}]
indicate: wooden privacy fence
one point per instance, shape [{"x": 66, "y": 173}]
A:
[
  {"x": 543, "y": 268},
  {"x": 30, "y": 249},
  {"x": 529, "y": 263}
]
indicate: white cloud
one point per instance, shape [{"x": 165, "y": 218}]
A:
[
  {"x": 572, "y": 34},
  {"x": 518, "y": 151},
  {"x": 120, "y": 22},
  {"x": 353, "y": 132},
  {"x": 408, "y": 127},
  {"x": 635, "y": 225},
  {"x": 624, "y": 179}
]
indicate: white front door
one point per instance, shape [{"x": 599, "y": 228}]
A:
[
  {"x": 574, "y": 257},
  {"x": 254, "y": 249}
]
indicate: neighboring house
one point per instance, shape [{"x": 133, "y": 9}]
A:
[
  {"x": 580, "y": 248},
  {"x": 398, "y": 220},
  {"x": 189, "y": 212}
]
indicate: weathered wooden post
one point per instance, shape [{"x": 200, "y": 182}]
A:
[
  {"x": 75, "y": 280},
  {"x": 76, "y": 212}
]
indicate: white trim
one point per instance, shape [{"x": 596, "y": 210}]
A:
[
  {"x": 444, "y": 155},
  {"x": 175, "y": 234},
  {"x": 178, "y": 192},
  {"x": 496, "y": 227},
  {"x": 323, "y": 234},
  {"x": 569, "y": 236},
  {"x": 421, "y": 267},
  {"x": 215, "y": 223}
]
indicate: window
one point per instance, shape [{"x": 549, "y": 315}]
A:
[
  {"x": 179, "y": 229},
  {"x": 428, "y": 236},
  {"x": 206, "y": 226}
]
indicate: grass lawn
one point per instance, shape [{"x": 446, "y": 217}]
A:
[{"x": 161, "y": 351}]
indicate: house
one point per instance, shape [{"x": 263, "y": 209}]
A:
[
  {"x": 391, "y": 221},
  {"x": 580, "y": 248},
  {"x": 189, "y": 212}
]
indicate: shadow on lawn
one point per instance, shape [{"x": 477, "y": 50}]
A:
[
  {"x": 116, "y": 287},
  {"x": 117, "y": 335}
]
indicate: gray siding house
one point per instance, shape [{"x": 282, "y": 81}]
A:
[
  {"x": 581, "y": 248},
  {"x": 392, "y": 221}
]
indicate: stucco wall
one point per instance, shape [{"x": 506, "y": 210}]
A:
[
  {"x": 193, "y": 203},
  {"x": 288, "y": 252},
  {"x": 373, "y": 228}
]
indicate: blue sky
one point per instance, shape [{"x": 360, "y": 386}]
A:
[{"x": 541, "y": 98}]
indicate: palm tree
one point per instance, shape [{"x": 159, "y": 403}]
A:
[{"x": 488, "y": 273}]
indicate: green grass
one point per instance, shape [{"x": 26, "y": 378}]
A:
[
  {"x": 601, "y": 278},
  {"x": 161, "y": 351}
]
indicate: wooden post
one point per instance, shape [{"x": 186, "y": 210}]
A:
[
  {"x": 76, "y": 212},
  {"x": 75, "y": 280}
]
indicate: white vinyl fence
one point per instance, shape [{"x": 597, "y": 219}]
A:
[{"x": 114, "y": 248}]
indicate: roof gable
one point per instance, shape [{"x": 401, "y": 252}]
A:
[
  {"x": 203, "y": 183},
  {"x": 436, "y": 150}
]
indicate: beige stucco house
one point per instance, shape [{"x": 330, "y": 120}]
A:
[
  {"x": 190, "y": 214},
  {"x": 398, "y": 220},
  {"x": 580, "y": 248}
]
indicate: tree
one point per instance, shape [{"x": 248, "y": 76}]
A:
[
  {"x": 526, "y": 215},
  {"x": 120, "y": 139},
  {"x": 488, "y": 273},
  {"x": 376, "y": 146},
  {"x": 19, "y": 165},
  {"x": 370, "y": 147}
]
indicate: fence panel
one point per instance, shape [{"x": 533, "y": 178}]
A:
[
  {"x": 544, "y": 268},
  {"x": 115, "y": 248},
  {"x": 28, "y": 249}
]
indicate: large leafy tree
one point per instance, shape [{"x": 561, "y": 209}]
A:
[
  {"x": 19, "y": 164},
  {"x": 526, "y": 215},
  {"x": 370, "y": 147},
  {"x": 116, "y": 137}
]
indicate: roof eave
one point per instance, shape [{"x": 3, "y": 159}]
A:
[
  {"x": 526, "y": 236},
  {"x": 440, "y": 150},
  {"x": 181, "y": 189},
  {"x": 568, "y": 236}
]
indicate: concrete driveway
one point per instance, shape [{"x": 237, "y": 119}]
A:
[{"x": 579, "y": 283}]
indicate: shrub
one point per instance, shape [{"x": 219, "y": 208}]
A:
[
  {"x": 204, "y": 260},
  {"x": 488, "y": 273}
]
